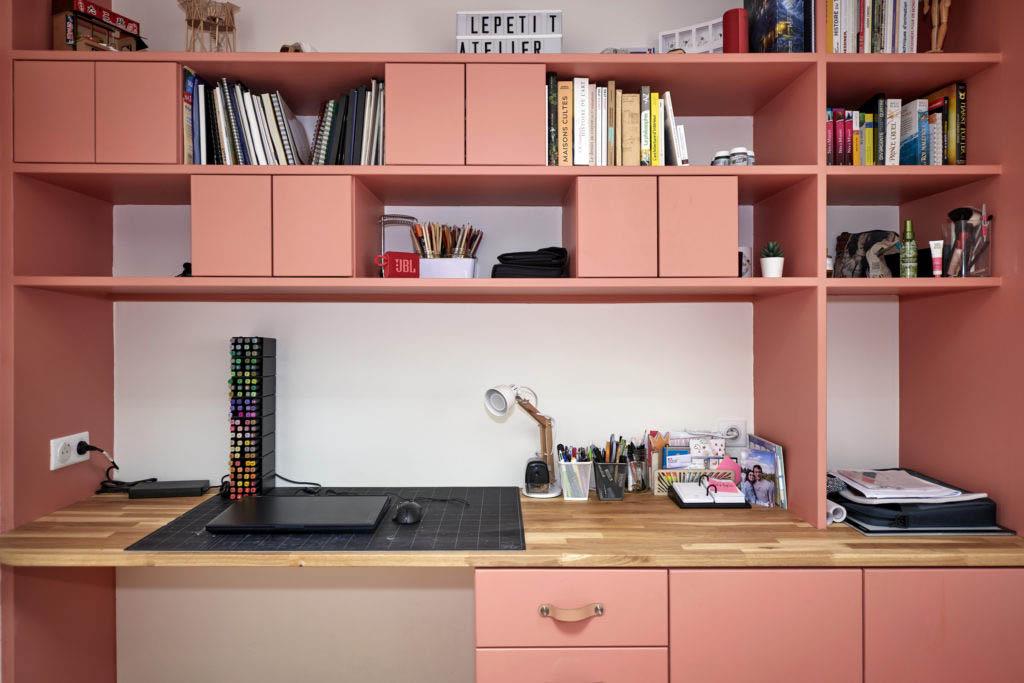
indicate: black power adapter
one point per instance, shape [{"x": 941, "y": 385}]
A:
[{"x": 144, "y": 488}]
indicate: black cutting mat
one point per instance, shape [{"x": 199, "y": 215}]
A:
[{"x": 492, "y": 521}]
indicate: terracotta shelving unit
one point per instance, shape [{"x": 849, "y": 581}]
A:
[{"x": 57, "y": 291}]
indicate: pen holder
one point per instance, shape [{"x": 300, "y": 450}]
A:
[
  {"x": 447, "y": 267},
  {"x": 636, "y": 477},
  {"x": 966, "y": 249},
  {"x": 611, "y": 479},
  {"x": 575, "y": 480}
]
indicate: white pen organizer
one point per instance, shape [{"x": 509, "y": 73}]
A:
[
  {"x": 575, "y": 479},
  {"x": 446, "y": 251},
  {"x": 447, "y": 267}
]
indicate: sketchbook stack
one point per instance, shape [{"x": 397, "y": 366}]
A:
[{"x": 901, "y": 501}]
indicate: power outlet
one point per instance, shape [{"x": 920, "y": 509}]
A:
[
  {"x": 64, "y": 451},
  {"x": 739, "y": 424}
]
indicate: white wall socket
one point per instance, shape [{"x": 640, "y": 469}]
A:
[
  {"x": 740, "y": 424},
  {"x": 64, "y": 451}
]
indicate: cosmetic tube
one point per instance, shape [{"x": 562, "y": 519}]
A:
[{"x": 936, "y": 248}]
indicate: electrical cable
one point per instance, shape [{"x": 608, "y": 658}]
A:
[{"x": 314, "y": 488}]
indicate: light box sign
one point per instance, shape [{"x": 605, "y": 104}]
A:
[{"x": 508, "y": 32}]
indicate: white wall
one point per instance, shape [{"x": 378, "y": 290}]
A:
[
  {"x": 392, "y": 394},
  {"x": 863, "y": 360},
  {"x": 420, "y": 25}
]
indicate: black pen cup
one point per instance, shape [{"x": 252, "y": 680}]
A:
[{"x": 611, "y": 479}]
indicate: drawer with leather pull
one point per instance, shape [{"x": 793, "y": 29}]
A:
[{"x": 571, "y": 607}]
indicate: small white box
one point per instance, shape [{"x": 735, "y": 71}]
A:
[
  {"x": 447, "y": 267},
  {"x": 698, "y": 38}
]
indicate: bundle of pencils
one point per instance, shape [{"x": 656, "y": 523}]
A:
[{"x": 434, "y": 240}]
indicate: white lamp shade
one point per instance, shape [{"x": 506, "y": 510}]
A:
[{"x": 500, "y": 400}]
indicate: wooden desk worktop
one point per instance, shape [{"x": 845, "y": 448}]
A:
[{"x": 642, "y": 531}]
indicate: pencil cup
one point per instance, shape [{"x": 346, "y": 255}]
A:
[
  {"x": 575, "y": 480},
  {"x": 611, "y": 479},
  {"x": 636, "y": 477},
  {"x": 447, "y": 267}
]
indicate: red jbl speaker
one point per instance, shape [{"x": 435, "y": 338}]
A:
[
  {"x": 399, "y": 264},
  {"x": 735, "y": 29}
]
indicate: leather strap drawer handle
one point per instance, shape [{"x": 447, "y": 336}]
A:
[{"x": 594, "y": 609}]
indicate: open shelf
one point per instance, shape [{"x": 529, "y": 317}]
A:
[
  {"x": 890, "y": 185},
  {"x": 853, "y": 78},
  {"x": 524, "y": 290},
  {"x": 922, "y": 286},
  {"x": 398, "y": 185},
  {"x": 721, "y": 85}
]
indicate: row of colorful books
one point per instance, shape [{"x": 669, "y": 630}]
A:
[
  {"x": 228, "y": 124},
  {"x": 925, "y": 131},
  {"x": 872, "y": 26},
  {"x": 600, "y": 125}
]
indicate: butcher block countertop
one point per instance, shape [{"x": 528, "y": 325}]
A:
[{"x": 642, "y": 531}]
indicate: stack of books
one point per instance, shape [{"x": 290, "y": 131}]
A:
[
  {"x": 872, "y": 26},
  {"x": 926, "y": 131},
  {"x": 350, "y": 129},
  {"x": 226, "y": 123},
  {"x": 599, "y": 125}
]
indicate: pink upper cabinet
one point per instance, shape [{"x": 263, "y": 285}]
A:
[
  {"x": 616, "y": 227},
  {"x": 698, "y": 227},
  {"x": 138, "y": 113},
  {"x": 313, "y": 225},
  {"x": 54, "y": 112},
  {"x": 943, "y": 625},
  {"x": 632, "y": 610},
  {"x": 231, "y": 229},
  {"x": 506, "y": 114},
  {"x": 424, "y": 114},
  {"x": 765, "y": 626}
]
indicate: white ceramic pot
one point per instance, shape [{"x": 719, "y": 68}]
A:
[{"x": 772, "y": 267}]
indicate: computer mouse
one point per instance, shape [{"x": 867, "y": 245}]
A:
[{"x": 408, "y": 512}]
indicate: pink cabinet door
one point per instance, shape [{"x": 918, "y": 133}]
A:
[
  {"x": 231, "y": 230},
  {"x": 698, "y": 227},
  {"x": 506, "y": 114},
  {"x": 509, "y": 601},
  {"x": 943, "y": 625},
  {"x": 54, "y": 112},
  {"x": 425, "y": 114},
  {"x": 138, "y": 113},
  {"x": 765, "y": 625},
  {"x": 572, "y": 665},
  {"x": 313, "y": 226},
  {"x": 610, "y": 226}
]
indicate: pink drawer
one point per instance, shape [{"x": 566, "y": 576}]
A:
[
  {"x": 55, "y": 112},
  {"x": 634, "y": 605},
  {"x": 698, "y": 227},
  {"x": 231, "y": 225},
  {"x": 576, "y": 665},
  {"x": 313, "y": 226},
  {"x": 138, "y": 113},
  {"x": 425, "y": 114},
  {"x": 506, "y": 114}
]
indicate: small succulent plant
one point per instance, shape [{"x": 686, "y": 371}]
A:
[{"x": 771, "y": 250}]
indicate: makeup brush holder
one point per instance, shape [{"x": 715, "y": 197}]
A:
[{"x": 966, "y": 249}]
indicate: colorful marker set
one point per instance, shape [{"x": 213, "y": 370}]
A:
[{"x": 252, "y": 403}]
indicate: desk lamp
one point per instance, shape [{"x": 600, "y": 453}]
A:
[{"x": 540, "y": 480}]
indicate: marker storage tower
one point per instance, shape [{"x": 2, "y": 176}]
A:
[{"x": 87, "y": 131}]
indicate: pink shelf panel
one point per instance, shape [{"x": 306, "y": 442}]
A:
[
  {"x": 399, "y": 185},
  {"x": 892, "y": 185},
  {"x": 917, "y": 287},
  {"x": 375, "y": 289},
  {"x": 852, "y": 79}
]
